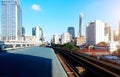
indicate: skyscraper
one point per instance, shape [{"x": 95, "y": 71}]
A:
[
  {"x": 65, "y": 38},
  {"x": 56, "y": 39},
  {"x": 95, "y": 32},
  {"x": 81, "y": 25},
  {"x": 109, "y": 32},
  {"x": 38, "y": 33},
  {"x": 23, "y": 31},
  {"x": 11, "y": 20},
  {"x": 119, "y": 30},
  {"x": 71, "y": 30}
]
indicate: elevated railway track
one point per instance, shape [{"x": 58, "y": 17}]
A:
[{"x": 83, "y": 65}]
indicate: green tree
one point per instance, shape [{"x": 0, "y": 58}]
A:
[
  {"x": 117, "y": 52},
  {"x": 70, "y": 46},
  {"x": 102, "y": 43}
]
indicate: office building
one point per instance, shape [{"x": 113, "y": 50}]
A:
[
  {"x": 79, "y": 41},
  {"x": 71, "y": 31},
  {"x": 56, "y": 39},
  {"x": 109, "y": 33},
  {"x": 11, "y": 20},
  {"x": 95, "y": 32},
  {"x": 117, "y": 33},
  {"x": 23, "y": 34},
  {"x": 38, "y": 33},
  {"x": 81, "y": 38},
  {"x": 119, "y": 27},
  {"x": 81, "y": 25},
  {"x": 23, "y": 31},
  {"x": 66, "y": 38}
]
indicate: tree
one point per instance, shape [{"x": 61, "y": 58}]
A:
[
  {"x": 102, "y": 43},
  {"x": 117, "y": 52},
  {"x": 70, "y": 46}
]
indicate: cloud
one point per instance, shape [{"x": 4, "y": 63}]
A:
[{"x": 36, "y": 7}]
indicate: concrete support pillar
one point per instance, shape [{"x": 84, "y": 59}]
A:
[
  {"x": 14, "y": 46},
  {"x": 26, "y": 45},
  {"x": 2, "y": 47},
  {"x": 21, "y": 45}
]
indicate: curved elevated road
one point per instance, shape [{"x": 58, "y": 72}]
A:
[{"x": 30, "y": 62}]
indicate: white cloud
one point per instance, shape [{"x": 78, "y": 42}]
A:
[{"x": 36, "y": 7}]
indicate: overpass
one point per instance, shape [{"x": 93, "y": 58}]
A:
[
  {"x": 32, "y": 62},
  {"x": 14, "y": 45}
]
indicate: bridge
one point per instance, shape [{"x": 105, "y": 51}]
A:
[
  {"x": 14, "y": 45},
  {"x": 30, "y": 62},
  {"x": 60, "y": 62}
]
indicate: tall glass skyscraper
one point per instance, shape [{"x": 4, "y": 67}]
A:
[
  {"x": 71, "y": 30},
  {"x": 81, "y": 25},
  {"x": 11, "y": 20}
]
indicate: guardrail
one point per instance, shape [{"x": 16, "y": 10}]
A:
[{"x": 9, "y": 46}]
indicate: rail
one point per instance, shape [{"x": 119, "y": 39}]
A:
[{"x": 96, "y": 67}]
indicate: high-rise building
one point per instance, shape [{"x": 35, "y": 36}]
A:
[
  {"x": 23, "y": 31},
  {"x": 11, "y": 20},
  {"x": 71, "y": 30},
  {"x": 65, "y": 38},
  {"x": 81, "y": 38},
  {"x": 109, "y": 32},
  {"x": 119, "y": 32},
  {"x": 38, "y": 33},
  {"x": 95, "y": 32},
  {"x": 81, "y": 25},
  {"x": 56, "y": 39},
  {"x": 23, "y": 34}
]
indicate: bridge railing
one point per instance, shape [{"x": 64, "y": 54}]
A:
[{"x": 11, "y": 45}]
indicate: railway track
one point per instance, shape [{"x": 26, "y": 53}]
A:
[
  {"x": 69, "y": 68},
  {"x": 93, "y": 66}
]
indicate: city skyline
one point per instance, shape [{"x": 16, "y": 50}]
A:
[{"x": 57, "y": 15}]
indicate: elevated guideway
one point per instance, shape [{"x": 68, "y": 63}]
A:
[
  {"x": 88, "y": 66},
  {"x": 31, "y": 62}
]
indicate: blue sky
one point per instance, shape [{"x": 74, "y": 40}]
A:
[{"x": 55, "y": 16}]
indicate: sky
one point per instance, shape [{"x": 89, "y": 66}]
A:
[{"x": 55, "y": 16}]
